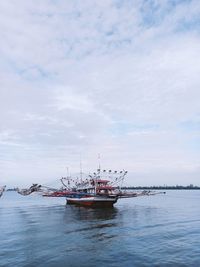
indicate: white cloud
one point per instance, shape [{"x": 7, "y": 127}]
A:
[{"x": 65, "y": 99}]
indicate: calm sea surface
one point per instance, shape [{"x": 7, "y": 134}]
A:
[{"x": 161, "y": 230}]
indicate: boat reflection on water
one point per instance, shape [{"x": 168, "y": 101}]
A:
[
  {"x": 92, "y": 226},
  {"x": 89, "y": 214}
]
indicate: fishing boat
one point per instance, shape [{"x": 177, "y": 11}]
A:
[
  {"x": 101, "y": 189},
  {"x": 95, "y": 191}
]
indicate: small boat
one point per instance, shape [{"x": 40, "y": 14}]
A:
[{"x": 2, "y": 189}]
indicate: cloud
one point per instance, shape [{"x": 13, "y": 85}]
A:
[
  {"x": 119, "y": 78},
  {"x": 66, "y": 99}
]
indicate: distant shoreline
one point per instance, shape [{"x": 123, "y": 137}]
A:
[
  {"x": 161, "y": 187},
  {"x": 177, "y": 187}
]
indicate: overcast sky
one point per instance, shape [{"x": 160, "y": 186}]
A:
[{"x": 116, "y": 78}]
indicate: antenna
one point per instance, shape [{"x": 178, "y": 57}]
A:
[
  {"x": 67, "y": 172},
  {"x": 99, "y": 167}
]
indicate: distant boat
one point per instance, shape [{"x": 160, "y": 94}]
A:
[{"x": 2, "y": 189}]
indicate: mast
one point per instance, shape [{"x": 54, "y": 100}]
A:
[
  {"x": 67, "y": 172},
  {"x": 81, "y": 172},
  {"x": 98, "y": 175},
  {"x": 99, "y": 167}
]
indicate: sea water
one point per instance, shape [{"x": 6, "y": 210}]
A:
[{"x": 160, "y": 230}]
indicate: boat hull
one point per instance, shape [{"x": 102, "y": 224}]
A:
[{"x": 93, "y": 202}]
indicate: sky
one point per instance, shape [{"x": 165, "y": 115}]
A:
[{"x": 119, "y": 79}]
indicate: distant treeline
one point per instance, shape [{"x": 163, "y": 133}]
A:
[
  {"x": 165, "y": 187},
  {"x": 176, "y": 187}
]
